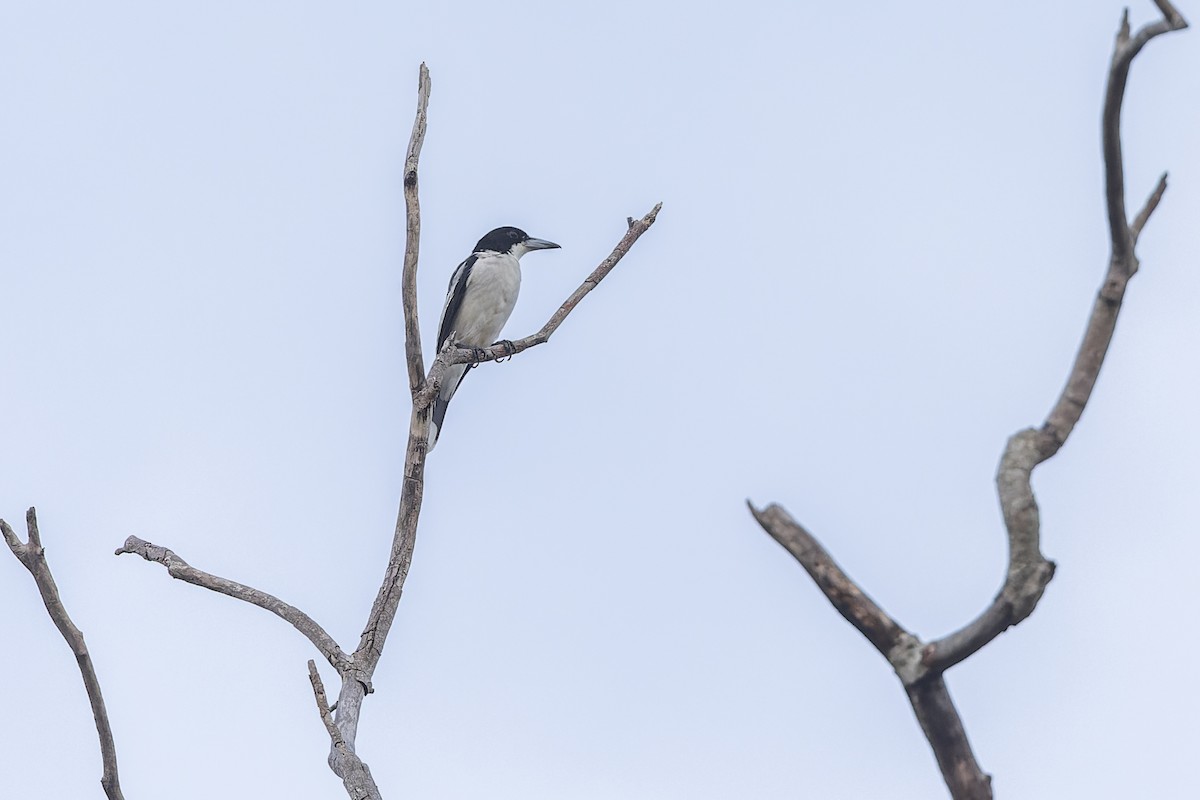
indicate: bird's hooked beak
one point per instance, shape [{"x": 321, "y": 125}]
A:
[{"x": 539, "y": 244}]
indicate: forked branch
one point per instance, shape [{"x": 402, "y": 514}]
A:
[
  {"x": 356, "y": 670},
  {"x": 33, "y": 556},
  {"x": 383, "y": 610},
  {"x": 920, "y": 666}
]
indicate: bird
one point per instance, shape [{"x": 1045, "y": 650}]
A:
[{"x": 481, "y": 297}]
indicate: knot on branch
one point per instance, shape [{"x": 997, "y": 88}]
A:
[{"x": 907, "y": 658}]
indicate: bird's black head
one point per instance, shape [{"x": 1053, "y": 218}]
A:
[{"x": 511, "y": 240}]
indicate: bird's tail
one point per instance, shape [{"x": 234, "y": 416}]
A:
[
  {"x": 453, "y": 377},
  {"x": 435, "y": 420}
]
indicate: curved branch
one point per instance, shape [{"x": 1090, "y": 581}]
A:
[
  {"x": 1029, "y": 572},
  {"x": 33, "y": 556},
  {"x": 1124, "y": 51},
  {"x": 181, "y": 570}
]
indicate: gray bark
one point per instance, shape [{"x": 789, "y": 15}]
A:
[
  {"x": 33, "y": 556},
  {"x": 920, "y": 666}
]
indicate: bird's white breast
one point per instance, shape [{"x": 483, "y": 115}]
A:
[{"x": 489, "y": 300}]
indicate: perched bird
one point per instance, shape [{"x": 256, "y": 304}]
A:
[{"x": 482, "y": 295}]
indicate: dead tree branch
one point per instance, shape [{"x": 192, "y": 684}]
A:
[
  {"x": 919, "y": 666},
  {"x": 33, "y": 556},
  {"x": 383, "y": 611},
  {"x": 181, "y": 570},
  {"x": 412, "y": 235},
  {"x": 356, "y": 670},
  {"x": 358, "y": 781}
]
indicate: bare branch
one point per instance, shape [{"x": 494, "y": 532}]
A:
[
  {"x": 450, "y": 355},
  {"x": 1125, "y": 50},
  {"x": 387, "y": 600},
  {"x": 33, "y": 556},
  {"x": 357, "y": 669},
  {"x": 851, "y": 602},
  {"x": 357, "y": 780},
  {"x": 943, "y": 727},
  {"x": 412, "y": 238},
  {"x": 181, "y": 570},
  {"x": 383, "y": 610},
  {"x": 1151, "y": 205},
  {"x": 1029, "y": 572},
  {"x": 342, "y": 759},
  {"x": 14, "y": 543}
]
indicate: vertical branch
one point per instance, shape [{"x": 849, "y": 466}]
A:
[
  {"x": 1124, "y": 51},
  {"x": 383, "y": 611},
  {"x": 357, "y": 778},
  {"x": 33, "y": 556},
  {"x": 356, "y": 685},
  {"x": 412, "y": 237}
]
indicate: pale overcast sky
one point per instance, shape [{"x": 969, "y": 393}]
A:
[{"x": 883, "y": 228}]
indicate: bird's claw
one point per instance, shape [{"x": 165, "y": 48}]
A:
[{"x": 510, "y": 350}]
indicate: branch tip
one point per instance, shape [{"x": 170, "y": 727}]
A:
[
  {"x": 1171, "y": 14},
  {"x": 1135, "y": 229},
  {"x": 10, "y": 537},
  {"x": 35, "y": 538},
  {"x": 412, "y": 236}
]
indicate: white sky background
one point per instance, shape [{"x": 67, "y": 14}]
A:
[{"x": 882, "y": 232}]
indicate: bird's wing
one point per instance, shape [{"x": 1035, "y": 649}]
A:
[{"x": 454, "y": 299}]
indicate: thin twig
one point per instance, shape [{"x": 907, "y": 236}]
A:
[
  {"x": 181, "y": 570},
  {"x": 33, "y": 556},
  {"x": 1149, "y": 208}
]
